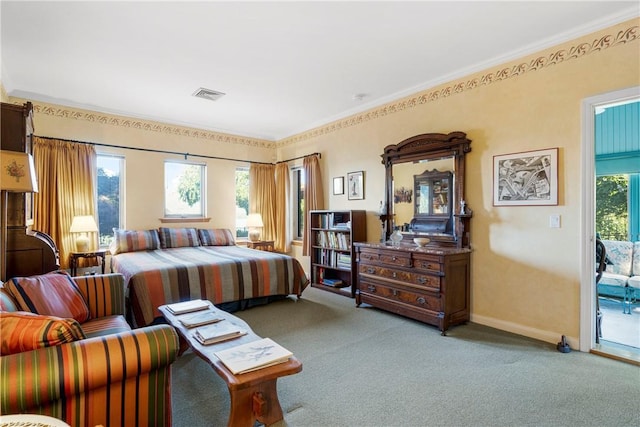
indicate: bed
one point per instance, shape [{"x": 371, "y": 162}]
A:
[{"x": 172, "y": 265}]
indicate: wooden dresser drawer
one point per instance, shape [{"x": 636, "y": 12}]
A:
[
  {"x": 394, "y": 258},
  {"x": 427, "y": 262},
  {"x": 406, "y": 296},
  {"x": 429, "y": 281}
]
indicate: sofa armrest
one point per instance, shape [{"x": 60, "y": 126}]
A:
[
  {"x": 103, "y": 293},
  {"x": 54, "y": 380}
]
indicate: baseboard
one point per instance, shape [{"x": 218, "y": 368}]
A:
[{"x": 515, "y": 328}]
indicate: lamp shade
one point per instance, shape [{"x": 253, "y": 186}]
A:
[
  {"x": 83, "y": 224},
  {"x": 254, "y": 220},
  {"x": 18, "y": 172}
]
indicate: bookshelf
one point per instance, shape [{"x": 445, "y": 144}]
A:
[{"x": 333, "y": 259}]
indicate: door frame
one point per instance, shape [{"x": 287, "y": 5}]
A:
[{"x": 587, "y": 208}]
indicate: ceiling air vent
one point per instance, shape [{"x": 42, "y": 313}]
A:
[{"x": 211, "y": 95}]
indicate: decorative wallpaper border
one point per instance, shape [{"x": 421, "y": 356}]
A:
[
  {"x": 127, "y": 122},
  {"x": 579, "y": 50}
]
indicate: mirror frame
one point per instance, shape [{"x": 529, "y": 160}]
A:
[{"x": 430, "y": 146}]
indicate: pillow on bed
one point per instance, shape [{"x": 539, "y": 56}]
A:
[
  {"x": 22, "y": 331},
  {"x": 178, "y": 237},
  {"x": 135, "y": 240},
  {"x": 216, "y": 237}
]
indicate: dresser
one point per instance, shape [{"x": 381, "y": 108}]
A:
[{"x": 429, "y": 284}]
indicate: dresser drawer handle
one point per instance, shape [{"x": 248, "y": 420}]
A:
[
  {"x": 371, "y": 288},
  {"x": 394, "y": 258},
  {"x": 422, "y": 280},
  {"x": 371, "y": 270},
  {"x": 421, "y": 300},
  {"x": 394, "y": 274},
  {"x": 394, "y": 292}
]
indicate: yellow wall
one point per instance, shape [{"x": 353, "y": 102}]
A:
[{"x": 525, "y": 276}]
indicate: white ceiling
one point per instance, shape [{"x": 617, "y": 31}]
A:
[{"x": 285, "y": 67}]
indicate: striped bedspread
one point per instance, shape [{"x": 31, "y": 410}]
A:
[{"x": 219, "y": 274}]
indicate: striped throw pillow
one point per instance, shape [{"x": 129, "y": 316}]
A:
[
  {"x": 21, "y": 331},
  {"x": 135, "y": 240},
  {"x": 7, "y": 303},
  {"x": 216, "y": 237},
  {"x": 178, "y": 237},
  {"x": 51, "y": 294}
]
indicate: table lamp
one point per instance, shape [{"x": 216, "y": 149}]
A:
[
  {"x": 83, "y": 224},
  {"x": 254, "y": 222},
  {"x": 18, "y": 175}
]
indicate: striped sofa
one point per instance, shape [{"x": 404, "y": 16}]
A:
[{"x": 111, "y": 376}]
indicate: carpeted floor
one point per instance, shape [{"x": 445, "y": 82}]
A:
[{"x": 365, "y": 367}]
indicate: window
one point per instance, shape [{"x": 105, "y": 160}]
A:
[
  {"x": 184, "y": 186},
  {"x": 110, "y": 184},
  {"x": 242, "y": 201},
  {"x": 612, "y": 207},
  {"x": 297, "y": 181}
]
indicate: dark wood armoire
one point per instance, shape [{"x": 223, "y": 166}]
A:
[{"x": 28, "y": 252}]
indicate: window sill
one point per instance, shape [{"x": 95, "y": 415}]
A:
[{"x": 176, "y": 220}]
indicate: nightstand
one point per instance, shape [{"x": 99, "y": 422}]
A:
[
  {"x": 263, "y": 245},
  {"x": 75, "y": 256}
]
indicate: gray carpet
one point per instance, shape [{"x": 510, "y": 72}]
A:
[{"x": 365, "y": 367}]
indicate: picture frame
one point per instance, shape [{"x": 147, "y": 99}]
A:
[
  {"x": 528, "y": 178},
  {"x": 338, "y": 185},
  {"x": 355, "y": 185}
]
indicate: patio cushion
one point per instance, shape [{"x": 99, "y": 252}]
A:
[{"x": 620, "y": 254}]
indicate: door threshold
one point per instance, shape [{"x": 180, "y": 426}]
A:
[{"x": 618, "y": 352}]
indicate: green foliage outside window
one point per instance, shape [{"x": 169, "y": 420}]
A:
[
  {"x": 108, "y": 205},
  {"x": 612, "y": 214},
  {"x": 189, "y": 185}
]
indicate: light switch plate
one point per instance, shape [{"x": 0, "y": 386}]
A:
[{"x": 554, "y": 221}]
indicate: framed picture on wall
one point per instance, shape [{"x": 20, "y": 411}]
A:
[
  {"x": 338, "y": 185},
  {"x": 355, "y": 185},
  {"x": 526, "y": 179}
]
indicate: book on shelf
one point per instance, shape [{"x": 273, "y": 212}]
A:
[
  {"x": 333, "y": 282},
  {"x": 188, "y": 306},
  {"x": 218, "y": 332},
  {"x": 200, "y": 318},
  {"x": 253, "y": 356}
]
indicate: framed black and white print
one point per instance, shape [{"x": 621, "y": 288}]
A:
[
  {"x": 338, "y": 185},
  {"x": 355, "y": 185},
  {"x": 526, "y": 179}
]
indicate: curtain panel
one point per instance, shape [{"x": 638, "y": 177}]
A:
[
  {"x": 313, "y": 195},
  {"x": 262, "y": 196},
  {"x": 283, "y": 191},
  {"x": 67, "y": 174}
]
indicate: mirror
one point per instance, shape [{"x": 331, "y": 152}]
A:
[{"x": 425, "y": 187}]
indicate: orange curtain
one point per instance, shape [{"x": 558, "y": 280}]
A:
[
  {"x": 283, "y": 189},
  {"x": 262, "y": 197},
  {"x": 313, "y": 195},
  {"x": 67, "y": 174}
]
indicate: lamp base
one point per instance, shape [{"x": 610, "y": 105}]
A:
[
  {"x": 82, "y": 243},
  {"x": 254, "y": 235}
]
